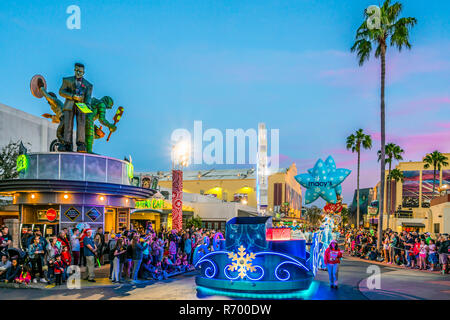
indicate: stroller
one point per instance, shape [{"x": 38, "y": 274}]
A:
[{"x": 19, "y": 254}]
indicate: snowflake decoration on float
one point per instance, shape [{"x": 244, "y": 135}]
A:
[{"x": 241, "y": 262}]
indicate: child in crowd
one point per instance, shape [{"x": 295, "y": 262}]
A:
[
  {"x": 58, "y": 267},
  {"x": 66, "y": 257},
  {"x": 50, "y": 270},
  {"x": 25, "y": 276},
  {"x": 423, "y": 255}
]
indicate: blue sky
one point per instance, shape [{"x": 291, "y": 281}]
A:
[{"x": 233, "y": 64}]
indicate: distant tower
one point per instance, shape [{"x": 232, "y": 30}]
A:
[{"x": 261, "y": 170}]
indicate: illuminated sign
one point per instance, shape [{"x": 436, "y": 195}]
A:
[
  {"x": 275, "y": 234},
  {"x": 93, "y": 214},
  {"x": 150, "y": 204},
  {"x": 130, "y": 170},
  {"x": 51, "y": 214},
  {"x": 22, "y": 163},
  {"x": 72, "y": 213}
]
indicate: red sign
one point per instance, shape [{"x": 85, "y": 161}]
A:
[
  {"x": 278, "y": 234},
  {"x": 51, "y": 214},
  {"x": 333, "y": 207}
]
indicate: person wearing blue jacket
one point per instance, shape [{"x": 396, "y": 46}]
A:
[{"x": 138, "y": 253}]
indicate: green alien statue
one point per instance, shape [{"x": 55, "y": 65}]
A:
[{"x": 98, "y": 108}]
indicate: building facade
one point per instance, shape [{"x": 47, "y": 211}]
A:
[
  {"x": 410, "y": 202},
  {"x": 35, "y": 132},
  {"x": 237, "y": 186}
]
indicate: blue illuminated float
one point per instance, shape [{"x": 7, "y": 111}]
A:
[{"x": 249, "y": 265}]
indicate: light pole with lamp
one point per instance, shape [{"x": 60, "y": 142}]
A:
[{"x": 180, "y": 159}]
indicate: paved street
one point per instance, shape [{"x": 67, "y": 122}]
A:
[{"x": 396, "y": 283}]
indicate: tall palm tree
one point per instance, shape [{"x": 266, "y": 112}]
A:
[
  {"x": 436, "y": 160},
  {"x": 391, "y": 27},
  {"x": 354, "y": 142},
  {"x": 392, "y": 152}
]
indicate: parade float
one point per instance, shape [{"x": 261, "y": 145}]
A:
[{"x": 258, "y": 261}]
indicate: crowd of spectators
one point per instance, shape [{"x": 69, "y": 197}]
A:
[
  {"x": 131, "y": 254},
  {"x": 410, "y": 249}
]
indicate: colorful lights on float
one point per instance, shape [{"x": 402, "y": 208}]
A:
[{"x": 248, "y": 264}]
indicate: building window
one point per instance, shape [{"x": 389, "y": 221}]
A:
[
  {"x": 437, "y": 228},
  {"x": 410, "y": 189},
  {"x": 277, "y": 194}
]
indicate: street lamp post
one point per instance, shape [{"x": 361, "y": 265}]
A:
[{"x": 180, "y": 159}]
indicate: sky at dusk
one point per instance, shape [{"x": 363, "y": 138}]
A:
[{"x": 233, "y": 64}]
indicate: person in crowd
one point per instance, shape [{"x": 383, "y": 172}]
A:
[
  {"x": 52, "y": 249},
  {"x": 129, "y": 260},
  {"x": 432, "y": 255},
  {"x": 24, "y": 276},
  {"x": 3, "y": 245},
  {"x": 102, "y": 242},
  {"x": 51, "y": 270},
  {"x": 64, "y": 239},
  {"x": 75, "y": 243},
  {"x": 13, "y": 272},
  {"x": 137, "y": 254},
  {"x": 423, "y": 252},
  {"x": 409, "y": 246},
  {"x": 58, "y": 269},
  {"x": 332, "y": 258},
  {"x": 82, "y": 256},
  {"x": 444, "y": 251},
  {"x": 35, "y": 251},
  {"x": 110, "y": 248},
  {"x": 90, "y": 252},
  {"x": 67, "y": 259},
  {"x": 7, "y": 239},
  {"x": 119, "y": 255},
  {"x": 187, "y": 246},
  {"x": 416, "y": 251},
  {"x": 5, "y": 264}
]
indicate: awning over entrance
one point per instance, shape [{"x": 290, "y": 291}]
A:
[{"x": 413, "y": 224}]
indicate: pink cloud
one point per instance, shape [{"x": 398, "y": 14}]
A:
[
  {"x": 421, "y": 105},
  {"x": 398, "y": 66}
]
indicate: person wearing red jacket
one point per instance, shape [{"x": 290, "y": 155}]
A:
[
  {"x": 332, "y": 258},
  {"x": 58, "y": 266}
]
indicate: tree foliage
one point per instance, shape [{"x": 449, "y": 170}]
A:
[
  {"x": 8, "y": 157},
  {"x": 313, "y": 215},
  {"x": 195, "y": 222}
]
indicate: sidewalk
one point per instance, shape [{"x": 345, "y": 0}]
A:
[
  {"x": 349, "y": 257},
  {"x": 101, "y": 278}
]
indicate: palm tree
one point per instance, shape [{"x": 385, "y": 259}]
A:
[
  {"x": 437, "y": 160},
  {"x": 354, "y": 143},
  {"x": 344, "y": 216},
  {"x": 392, "y": 152},
  {"x": 391, "y": 27},
  {"x": 313, "y": 214},
  {"x": 395, "y": 175}
]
